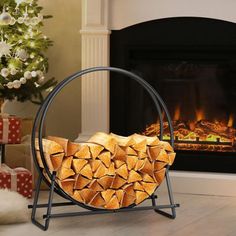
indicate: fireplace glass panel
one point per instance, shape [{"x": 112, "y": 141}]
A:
[
  {"x": 191, "y": 62},
  {"x": 200, "y": 99}
]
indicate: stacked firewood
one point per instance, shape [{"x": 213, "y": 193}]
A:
[{"x": 108, "y": 171}]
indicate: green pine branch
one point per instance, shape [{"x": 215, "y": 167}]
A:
[{"x": 27, "y": 44}]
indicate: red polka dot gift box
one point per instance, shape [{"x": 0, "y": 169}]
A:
[
  {"x": 18, "y": 179},
  {"x": 10, "y": 129}
]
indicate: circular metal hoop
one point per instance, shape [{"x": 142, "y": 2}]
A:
[{"x": 41, "y": 115}]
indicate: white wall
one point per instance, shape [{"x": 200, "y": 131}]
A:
[
  {"x": 64, "y": 59},
  {"x": 124, "y": 13}
]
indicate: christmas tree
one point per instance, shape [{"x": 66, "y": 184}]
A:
[{"x": 22, "y": 63}]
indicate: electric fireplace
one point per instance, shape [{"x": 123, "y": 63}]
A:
[{"x": 191, "y": 62}]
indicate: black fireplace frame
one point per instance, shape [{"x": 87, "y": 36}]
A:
[{"x": 217, "y": 41}]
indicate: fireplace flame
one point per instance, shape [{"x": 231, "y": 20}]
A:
[
  {"x": 199, "y": 134},
  {"x": 177, "y": 113},
  {"x": 231, "y": 121},
  {"x": 200, "y": 114}
]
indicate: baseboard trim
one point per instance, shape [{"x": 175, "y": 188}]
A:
[{"x": 203, "y": 183}]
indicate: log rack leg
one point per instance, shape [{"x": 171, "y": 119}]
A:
[
  {"x": 49, "y": 205},
  {"x": 172, "y": 205}
]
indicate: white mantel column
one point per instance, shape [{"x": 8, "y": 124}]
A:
[{"x": 95, "y": 52}]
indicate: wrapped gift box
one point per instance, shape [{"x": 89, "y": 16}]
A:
[
  {"x": 17, "y": 155},
  {"x": 10, "y": 129},
  {"x": 18, "y": 179}
]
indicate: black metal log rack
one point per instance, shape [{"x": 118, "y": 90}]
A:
[{"x": 52, "y": 184}]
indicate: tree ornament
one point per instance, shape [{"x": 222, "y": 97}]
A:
[
  {"x": 27, "y": 75},
  {"x": 20, "y": 20},
  {"x": 16, "y": 84},
  {"x": 33, "y": 73},
  {"x": 13, "y": 21},
  {"x": 23, "y": 80},
  {"x": 4, "y": 72},
  {"x": 5, "y": 49},
  {"x": 27, "y": 21},
  {"x": 18, "y": 2},
  {"x": 5, "y": 18},
  {"x": 13, "y": 71},
  {"x": 22, "y": 54},
  {"x": 10, "y": 85},
  {"x": 35, "y": 20},
  {"x": 39, "y": 73},
  {"x": 41, "y": 80}
]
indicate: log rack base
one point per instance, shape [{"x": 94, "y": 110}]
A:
[{"x": 46, "y": 217}]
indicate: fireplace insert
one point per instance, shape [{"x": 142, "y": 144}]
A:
[{"x": 191, "y": 62}]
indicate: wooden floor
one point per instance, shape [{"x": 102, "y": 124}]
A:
[{"x": 198, "y": 215}]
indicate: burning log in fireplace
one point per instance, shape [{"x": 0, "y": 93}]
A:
[{"x": 203, "y": 135}]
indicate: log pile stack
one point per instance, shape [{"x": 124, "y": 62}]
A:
[{"x": 108, "y": 171}]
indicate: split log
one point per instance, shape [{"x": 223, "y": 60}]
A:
[
  {"x": 77, "y": 196},
  {"x": 95, "y": 149},
  {"x": 87, "y": 194},
  {"x": 72, "y": 148},
  {"x": 123, "y": 141},
  {"x": 119, "y": 154},
  {"x": 83, "y": 152},
  {"x": 106, "y": 182},
  {"x": 95, "y": 186},
  {"x": 67, "y": 162},
  {"x": 53, "y": 153},
  {"x": 97, "y": 201},
  {"x": 128, "y": 200},
  {"x": 105, "y": 157},
  {"x": 61, "y": 141},
  {"x": 123, "y": 171},
  {"x": 131, "y": 162},
  {"x": 130, "y": 151},
  {"x": 140, "y": 196},
  {"x": 150, "y": 140},
  {"x": 120, "y": 194},
  {"x": 67, "y": 185},
  {"x": 64, "y": 173},
  {"x": 105, "y": 140},
  {"x": 81, "y": 182},
  {"x": 56, "y": 160},
  {"x": 107, "y": 195},
  {"x": 159, "y": 175},
  {"x": 118, "y": 182},
  {"x": 129, "y": 189},
  {"x": 78, "y": 164},
  {"x": 113, "y": 203}
]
